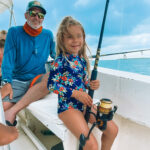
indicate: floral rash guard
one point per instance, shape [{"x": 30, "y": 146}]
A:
[{"x": 68, "y": 73}]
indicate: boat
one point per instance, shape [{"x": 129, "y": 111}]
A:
[
  {"x": 8, "y": 5},
  {"x": 41, "y": 129},
  {"x": 129, "y": 91}
]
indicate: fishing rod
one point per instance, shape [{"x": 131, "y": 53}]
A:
[
  {"x": 94, "y": 71},
  {"x": 101, "y": 117}
]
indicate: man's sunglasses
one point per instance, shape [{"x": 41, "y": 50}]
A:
[{"x": 33, "y": 14}]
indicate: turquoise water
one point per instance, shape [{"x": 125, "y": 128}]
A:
[{"x": 135, "y": 65}]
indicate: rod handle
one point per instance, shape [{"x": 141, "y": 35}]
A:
[{"x": 93, "y": 77}]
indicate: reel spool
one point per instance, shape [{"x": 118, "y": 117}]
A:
[
  {"x": 104, "y": 113},
  {"x": 105, "y": 106}
]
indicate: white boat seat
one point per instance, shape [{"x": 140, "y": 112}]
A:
[{"x": 45, "y": 111}]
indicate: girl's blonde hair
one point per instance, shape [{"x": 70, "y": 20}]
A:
[{"x": 63, "y": 29}]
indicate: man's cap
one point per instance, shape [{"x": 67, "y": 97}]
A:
[{"x": 35, "y": 4}]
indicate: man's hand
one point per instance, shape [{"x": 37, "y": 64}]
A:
[
  {"x": 7, "y": 90},
  {"x": 82, "y": 97}
]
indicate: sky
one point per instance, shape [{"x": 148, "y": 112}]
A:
[{"x": 127, "y": 25}]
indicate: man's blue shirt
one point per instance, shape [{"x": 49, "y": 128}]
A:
[{"x": 24, "y": 55}]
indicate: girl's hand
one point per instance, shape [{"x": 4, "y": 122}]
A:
[
  {"x": 82, "y": 97},
  {"x": 94, "y": 84}
]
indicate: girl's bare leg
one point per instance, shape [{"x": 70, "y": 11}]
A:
[
  {"x": 75, "y": 122},
  {"x": 108, "y": 135}
]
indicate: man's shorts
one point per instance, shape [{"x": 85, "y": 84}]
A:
[{"x": 20, "y": 88}]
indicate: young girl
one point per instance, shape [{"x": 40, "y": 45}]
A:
[{"x": 69, "y": 79}]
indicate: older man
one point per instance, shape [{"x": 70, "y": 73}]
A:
[{"x": 26, "y": 51}]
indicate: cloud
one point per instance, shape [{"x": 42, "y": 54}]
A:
[
  {"x": 82, "y": 3},
  {"x": 126, "y": 43},
  {"x": 54, "y": 14},
  {"x": 146, "y": 1},
  {"x": 92, "y": 42},
  {"x": 115, "y": 11},
  {"x": 143, "y": 27},
  {"x": 85, "y": 2},
  {"x": 136, "y": 41}
]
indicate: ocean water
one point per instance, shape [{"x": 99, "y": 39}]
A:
[{"x": 135, "y": 65}]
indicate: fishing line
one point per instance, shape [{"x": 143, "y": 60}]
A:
[
  {"x": 118, "y": 82},
  {"x": 83, "y": 139}
]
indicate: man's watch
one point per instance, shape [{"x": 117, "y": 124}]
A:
[{"x": 4, "y": 82}]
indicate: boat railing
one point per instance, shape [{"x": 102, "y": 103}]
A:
[
  {"x": 144, "y": 53},
  {"x": 127, "y": 52}
]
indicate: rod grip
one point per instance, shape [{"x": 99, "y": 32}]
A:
[
  {"x": 91, "y": 93},
  {"x": 93, "y": 77}
]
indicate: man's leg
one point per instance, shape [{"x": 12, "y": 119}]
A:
[
  {"x": 19, "y": 88},
  {"x": 7, "y": 105},
  {"x": 36, "y": 92}
]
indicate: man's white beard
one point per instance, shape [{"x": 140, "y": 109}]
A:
[{"x": 32, "y": 26}]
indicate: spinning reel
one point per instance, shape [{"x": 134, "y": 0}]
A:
[{"x": 104, "y": 113}]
